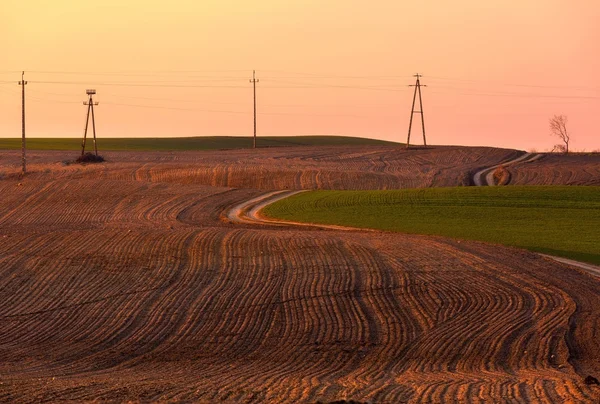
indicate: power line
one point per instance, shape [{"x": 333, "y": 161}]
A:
[
  {"x": 9, "y": 90},
  {"x": 515, "y": 84},
  {"x": 296, "y": 85},
  {"x": 175, "y": 108},
  {"x": 138, "y": 72},
  {"x": 159, "y": 75},
  {"x": 329, "y": 76},
  {"x": 308, "y": 85},
  {"x": 71, "y": 94},
  {"x": 196, "y": 73},
  {"x": 237, "y": 112},
  {"x": 513, "y": 94},
  {"x": 170, "y": 99},
  {"x": 218, "y": 75},
  {"x": 123, "y": 84},
  {"x": 320, "y": 85},
  {"x": 302, "y": 81},
  {"x": 45, "y": 100}
]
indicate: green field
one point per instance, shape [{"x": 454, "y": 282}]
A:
[
  {"x": 189, "y": 143},
  {"x": 558, "y": 220}
]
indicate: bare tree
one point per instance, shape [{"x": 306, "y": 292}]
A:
[{"x": 558, "y": 127}]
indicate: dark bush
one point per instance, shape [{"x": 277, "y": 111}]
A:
[{"x": 89, "y": 158}]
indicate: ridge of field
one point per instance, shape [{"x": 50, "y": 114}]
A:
[
  {"x": 557, "y": 220},
  {"x": 188, "y": 143},
  {"x": 299, "y": 167}
]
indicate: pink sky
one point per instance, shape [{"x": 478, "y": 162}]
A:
[{"x": 496, "y": 70}]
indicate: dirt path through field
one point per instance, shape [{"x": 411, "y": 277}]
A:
[
  {"x": 239, "y": 212},
  {"x": 485, "y": 176},
  {"x": 592, "y": 269},
  {"x": 250, "y": 212}
]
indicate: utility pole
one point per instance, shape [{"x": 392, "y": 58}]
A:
[
  {"x": 90, "y": 103},
  {"x": 417, "y": 87},
  {"x": 254, "y": 81},
  {"x": 22, "y": 83}
]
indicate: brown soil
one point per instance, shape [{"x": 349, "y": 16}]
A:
[
  {"x": 121, "y": 282},
  {"x": 329, "y": 167},
  {"x": 558, "y": 169}
]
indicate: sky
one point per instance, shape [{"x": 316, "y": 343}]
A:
[{"x": 496, "y": 70}]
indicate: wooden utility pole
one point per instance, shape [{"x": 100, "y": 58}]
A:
[
  {"x": 90, "y": 103},
  {"x": 22, "y": 83},
  {"x": 254, "y": 81},
  {"x": 417, "y": 87}
]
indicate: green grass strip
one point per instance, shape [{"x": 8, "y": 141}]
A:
[
  {"x": 188, "y": 143},
  {"x": 557, "y": 220}
]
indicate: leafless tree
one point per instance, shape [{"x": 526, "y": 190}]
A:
[{"x": 558, "y": 127}]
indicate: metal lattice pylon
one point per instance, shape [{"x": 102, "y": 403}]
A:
[
  {"x": 417, "y": 87},
  {"x": 90, "y": 103}
]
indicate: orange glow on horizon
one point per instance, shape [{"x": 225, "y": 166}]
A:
[{"x": 496, "y": 71}]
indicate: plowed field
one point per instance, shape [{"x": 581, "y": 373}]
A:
[
  {"x": 572, "y": 169},
  {"x": 122, "y": 281},
  {"x": 324, "y": 167}
]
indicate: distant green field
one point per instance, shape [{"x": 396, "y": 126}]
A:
[
  {"x": 558, "y": 220},
  {"x": 189, "y": 143}
]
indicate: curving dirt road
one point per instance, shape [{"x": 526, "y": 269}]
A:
[
  {"x": 592, "y": 269},
  {"x": 249, "y": 212},
  {"x": 485, "y": 176}
]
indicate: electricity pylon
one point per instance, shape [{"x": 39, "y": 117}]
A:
[
  {"x": 417, "y": 87},
  {"x": 90, "y": 103}
]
